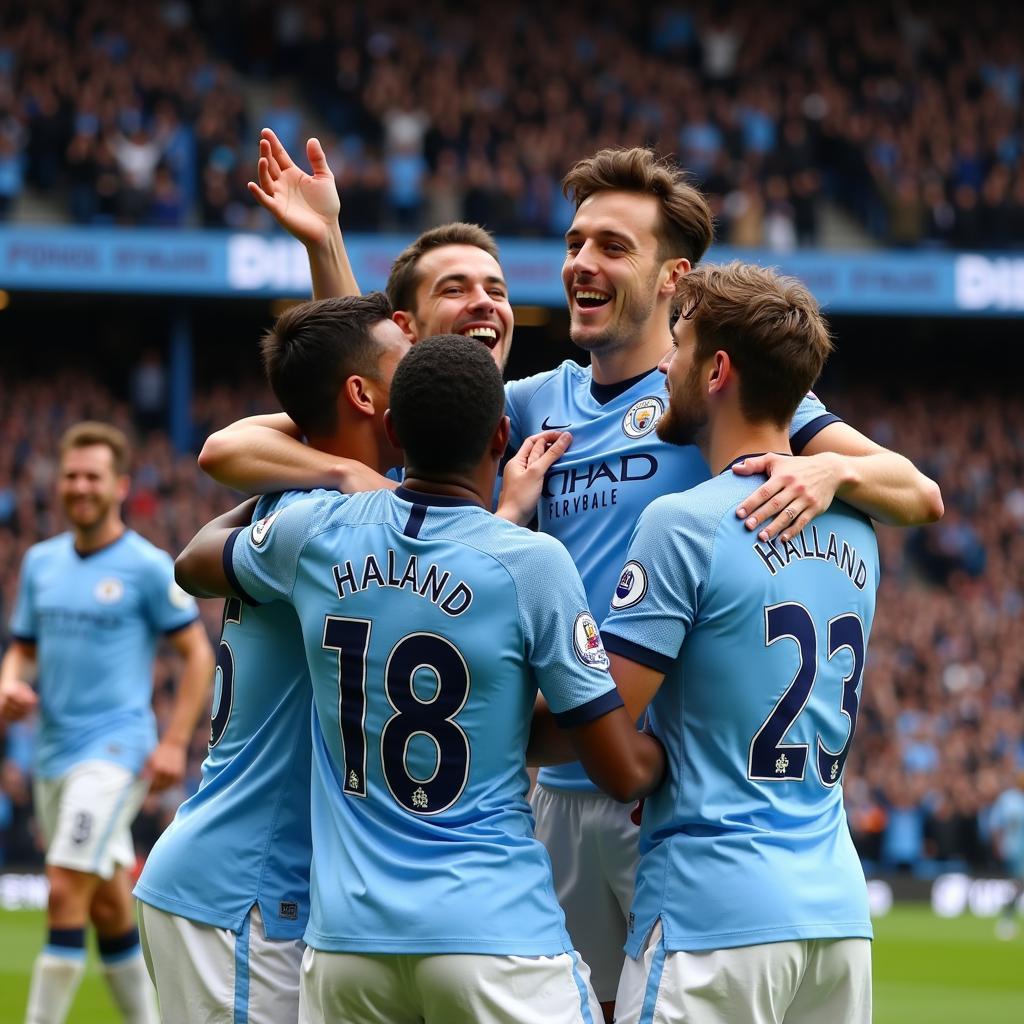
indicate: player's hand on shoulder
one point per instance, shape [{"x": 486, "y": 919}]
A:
[
  {"x": 523, "y": 478},
  {"x": 165, "y": 766},
  {"x": 798, "y": 488},
  {"x": 306, "y": 205},
  {"x": 17, "y": 700}
]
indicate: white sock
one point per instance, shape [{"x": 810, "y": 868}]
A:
[
  {"x": 132, "y": 990},
  {"x": 54, "y": 982}
]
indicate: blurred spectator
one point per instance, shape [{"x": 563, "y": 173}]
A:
[{"x": 911, "y": 121}]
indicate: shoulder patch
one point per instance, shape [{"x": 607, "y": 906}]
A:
[
  {"x": 178, "y": 597},
  {"x": 586, "y": 642},
  {"x": 642, "y": 417},
  {"x": 632, "y": 586},
  {"x": 261, "y": 530}
]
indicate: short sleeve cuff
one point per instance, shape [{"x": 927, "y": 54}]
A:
[
  {"x": 22, "y": 638},
  {"x": 635, "y": 652},
  {"x": 596, "y": 708},
  {"x": 803, "y": 436},
  {"x": 229, "y": 568}
]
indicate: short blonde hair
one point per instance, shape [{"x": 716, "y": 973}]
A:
[
  {"x": 92, "y": 432},
  {"x": 771, "y": 327}
]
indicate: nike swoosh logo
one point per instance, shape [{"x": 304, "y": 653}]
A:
[{"x": 554, "y": 426}]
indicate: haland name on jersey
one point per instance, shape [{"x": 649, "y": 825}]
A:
[
  {"x": 438, "y": 586},
  {"x": 561, "y": 482},
  {"x": 807, "y": 543}
]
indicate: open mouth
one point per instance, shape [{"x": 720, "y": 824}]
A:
[
  {"x": 482, "y": 333},
  {"x": 590, "y": 298}
]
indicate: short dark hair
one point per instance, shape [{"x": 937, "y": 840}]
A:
[
  {"x": 404, "y": 278},
  {"x": 771, "y": 327},
  {"x": 93, "y": 432},
  {"x": 447, "y": 398},
  {"x": 686, "y": 228},
  {"x": 314, "y": 347}
]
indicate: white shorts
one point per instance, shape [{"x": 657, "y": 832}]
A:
[
  {"x": 445, "y": 988},
  {"x": 594, "y": 851},
  {"x": 809, "y": 981},
  {"x": 208, "y": 975},
  {"x": 86, "y": 817}
]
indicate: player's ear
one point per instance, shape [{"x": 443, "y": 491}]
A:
[
  {"x": 499, "y": 442},
  {"x": 407, "y": 322},
  {"x": 672, "y": 270},
  {"x": 357, "y": 393},
  {"x": 124, "y": 485},
  {"x": 389, "y": 430},
  {"x": 720, "y": 373}
]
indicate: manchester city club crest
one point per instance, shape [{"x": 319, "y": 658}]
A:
[
  {"x": 586, "y": 642},
  {"x": 109, "y": 590},
  {"x": 632, "y": 586},
  {"x": 642, "y": 417}
]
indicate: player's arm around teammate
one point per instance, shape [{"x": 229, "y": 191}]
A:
[{"x": 838, "y": 462}]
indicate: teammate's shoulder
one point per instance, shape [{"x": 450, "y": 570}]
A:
[
  {"x": 58, "y": 545},
  {"x": 526, "y": 387},
  {"x": 307, "y": 512},
  {"x": 270, "y": 503},
  {"x": 525, "y": 550},
  {"x": 134, "y": 546},
  {"x": 705, "y": 502}
]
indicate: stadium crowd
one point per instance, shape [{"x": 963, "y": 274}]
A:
[
  {"x": 941, "y": 727},
  {"x": 909, "y": 115}
]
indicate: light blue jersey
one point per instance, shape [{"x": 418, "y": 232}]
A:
[
  {"x": 248, "y": 824},
  {"x": 617, "y": 465},
  {"x": 429, "y": 626},
  {"x": 95, "y": 620},
  {"x": 1006, "y": 819},
  {"x": 762, "y": 646}
]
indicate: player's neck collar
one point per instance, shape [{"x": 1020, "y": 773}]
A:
[
  {"x": 740, "y": 458},
  {"x": 101, "y": 548},
  {"x": 425, "y": 498},
  {"x": 604, "y": 393}
]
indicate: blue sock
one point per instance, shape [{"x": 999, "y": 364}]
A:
[
  {"x": 66, "y": 942},
  {"x": 116, "y": 948}
]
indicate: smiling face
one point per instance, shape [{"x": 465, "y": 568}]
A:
[
  {"x": 461, "y": 290},
  {"x": 89, "y": 486},
  {"x": 611, "y": 270}
]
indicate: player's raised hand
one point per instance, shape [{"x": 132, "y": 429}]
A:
[
  {"x": 523, "y": 479},
  {"x": 17, "y": 700},
  {"x": 306, "y": 205},
  {"x": 165, "y": 767},
  {"x": 798, "y": 488}
]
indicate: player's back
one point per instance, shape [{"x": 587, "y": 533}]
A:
[
  {"x": 428, "y": 626},
  {"x": 617, "y": 465},
  {"x": 248, "y": 824},
  {"x": 748, "y": 841}
]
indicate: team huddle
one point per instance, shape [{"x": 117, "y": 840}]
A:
[{"x": 685, "y": 626}]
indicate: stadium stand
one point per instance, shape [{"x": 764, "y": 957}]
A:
[{"x": 908, "y": 117}]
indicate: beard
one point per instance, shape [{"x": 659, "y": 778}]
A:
[
  {"x": 635, "y": 313},
  {"x": 87, "y": 515},
  {"x": 685, "y": 421}
]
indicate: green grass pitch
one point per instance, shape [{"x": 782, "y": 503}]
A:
[{"x": 928, "y": 970}]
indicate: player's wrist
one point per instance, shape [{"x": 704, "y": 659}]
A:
[{"x": 842, "y": 469}]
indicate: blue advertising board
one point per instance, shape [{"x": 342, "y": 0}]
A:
[{"x": 245, "y": 265}]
